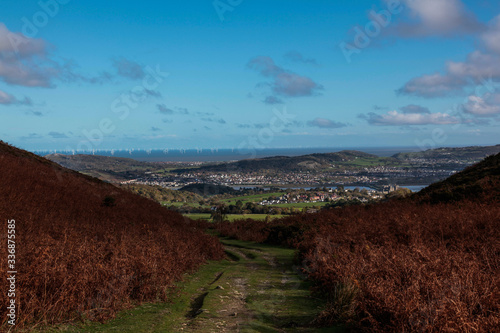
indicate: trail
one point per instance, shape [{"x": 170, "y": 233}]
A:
[
  {"x": 259, "y": 292},
  {"x": 256, "y": 289}
]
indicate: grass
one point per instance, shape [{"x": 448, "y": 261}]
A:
[
  {"x": 232, "y": 217},
  {"x": 180, "y": 204},
  {"x": 244, "y": 199},
  {"x": 251, "y": 198},
  {"x": 275, "y": 299},
  {"x": 302, "y": 204},
  {"x": 278, "y": 299}
]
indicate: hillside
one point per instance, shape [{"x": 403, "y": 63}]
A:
[
  {"x": 73, "y": 232},
  {"x": 207, "y": 189},
  {"x": 104, "y": 167},
  {"x": 477, "y": 182},
  {"x": 474, "y": 153},
  {"x": 296, "y": 163},
  {"x": 160, "y": 194}
]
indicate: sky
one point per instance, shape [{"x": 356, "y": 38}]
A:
[{"x": 89, "y": 75}]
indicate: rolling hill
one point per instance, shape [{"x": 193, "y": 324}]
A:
[
  {"x": 86, "y": 248},
  {"x": 103, "y": 167},
  {"x": 353, "y": 159},
  {"x": 296, "y": 163}
]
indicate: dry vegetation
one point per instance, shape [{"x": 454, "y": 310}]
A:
[
  {"x": 410, "y": 265},
  {"x": 86, "y": 249}
]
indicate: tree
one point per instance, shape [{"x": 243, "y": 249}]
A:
[
  {"x": 239, "y": 204},
  {"x": 219, "y": 213}
]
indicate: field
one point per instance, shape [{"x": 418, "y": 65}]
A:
[
  {"x": 251, "y": 198},
  {"x": 302, "y": 204},
  {"x": 233, "y": 217}
]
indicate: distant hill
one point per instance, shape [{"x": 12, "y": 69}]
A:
[
  {"x": 477, "y": 182},
  {"x": 295, "y": 163},
  {"x": 103, "y": 167},
  {"x": 92, "y": 162},
  {"x": 74, "y": 231},
  {"x": 464, "y": 153}
]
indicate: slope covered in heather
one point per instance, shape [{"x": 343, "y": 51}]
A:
[
  {"x": 86, "y": 248},
  {"x": 477, "y": 182}
]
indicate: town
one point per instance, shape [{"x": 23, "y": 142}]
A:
[{"x": 374, "y": 176}]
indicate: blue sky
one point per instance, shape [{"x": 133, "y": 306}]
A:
[{"x": 249, "y": 74}]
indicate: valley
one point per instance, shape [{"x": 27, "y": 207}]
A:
[{"x": 260, "y": 260}]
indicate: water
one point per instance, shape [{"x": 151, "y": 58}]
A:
[
  {"x": 224, "y": 155},
  {"x": 415, "y": 188}
]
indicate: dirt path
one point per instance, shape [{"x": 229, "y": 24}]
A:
[
  {"x": 230, "y": 312},
  {"x": 257, "y": 289},
  {"x": 258, "y": 293}
]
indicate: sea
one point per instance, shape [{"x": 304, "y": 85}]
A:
[{"x": 223, "y": 155}]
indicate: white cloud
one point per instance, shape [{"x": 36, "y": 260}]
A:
[
  {"x": 477, "y": 68},
  {"x": 480, "y": 65},
  {"x": 27, "y": 62},
  {"x": 395, "y": 118},
  {"x": 491, "y": 37},
  {"x": 436, "y": 18},
  {"x": 485, "y": 106},
  {"x": 23, "y": 60},
  {"x": 433, "y": 85}
]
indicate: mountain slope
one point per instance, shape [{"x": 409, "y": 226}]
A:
[
  {"x": 477, "y": 182},
  {"x": 103, "y": 167},
  {"x": 74, "y": 232}
]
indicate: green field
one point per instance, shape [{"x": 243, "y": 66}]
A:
[
  {"x": 302, "y": 204},
  {"x": 232, "y": 217},
  {"x": 180, "y": 204},
  {"x": 251, "y": 198}
]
